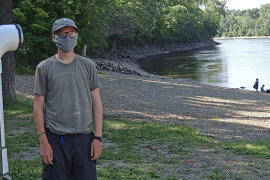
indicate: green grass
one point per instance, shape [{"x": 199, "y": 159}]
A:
[
  {"x": 135, "y": 172},
  {"x": 216, "y": 174},
  {"x": 19, "y": 125},
  {"x": 25, "y": 169},
  {"x": 256, "y": 149},
  {"x": 22, "y": 70},
  {"x": 100, "y": 72},
  {"x": 124, "y": 133},
  {"x": 131, "y": 138},
  {"x": 18, "y": 110},
  {"x": 136, "y": 150}
]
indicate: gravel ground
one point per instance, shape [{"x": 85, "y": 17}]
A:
[{"x": 221, "y": 113}]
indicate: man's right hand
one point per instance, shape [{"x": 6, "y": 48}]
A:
[{"x": 46, "y": 152}]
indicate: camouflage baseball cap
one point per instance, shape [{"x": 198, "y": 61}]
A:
[{"x": 63, "y": 22}]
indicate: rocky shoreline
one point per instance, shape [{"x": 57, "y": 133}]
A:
[{"x": 126, "y": 61}]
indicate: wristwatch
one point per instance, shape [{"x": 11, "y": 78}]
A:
[{"x": 100, "y": 138}]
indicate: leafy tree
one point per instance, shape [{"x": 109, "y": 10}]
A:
[
  {"x": 34, "y": 22},
  {"x": 251, "y": 22},
  {"x": 36, "y": 19},
  {"x": 106, "y": 23}
]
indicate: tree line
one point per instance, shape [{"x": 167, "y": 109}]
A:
[
  {"x": 108, "y": 24},
  {"x": 250, "y": 22}
]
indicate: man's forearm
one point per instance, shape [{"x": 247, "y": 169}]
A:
[
  {"x": 38, "y": 116},
  {"x": 40, "y": 126},
  {"x": 39, "y": 120},
  {"x": 98, "y": 112},
  {"x": 98, "y": 117}
]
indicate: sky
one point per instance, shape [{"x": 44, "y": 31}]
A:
[{"x": 245, "y": 4}]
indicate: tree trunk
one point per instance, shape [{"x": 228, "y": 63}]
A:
[
  {"x": 84, "y": 49},
  {"x": 8, "y": 74},
  {"x": 26, "y": 52},
  {"x": 114, "y": 46}
]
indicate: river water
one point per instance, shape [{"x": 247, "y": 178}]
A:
[{"x": 234, "y": 63}]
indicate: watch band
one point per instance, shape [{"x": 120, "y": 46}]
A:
[{"x": 100, "y": 138}]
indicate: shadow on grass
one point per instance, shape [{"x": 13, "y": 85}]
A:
[
  {"x": 128, "y": 134},
  {"x": 20, "y": 109}
]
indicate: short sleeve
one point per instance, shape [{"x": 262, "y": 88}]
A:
[
  {"x": 40, "y": 82},
  {"x": 94, "y": 80}
]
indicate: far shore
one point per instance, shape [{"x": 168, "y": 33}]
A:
[{"x": 252, "y": 37}]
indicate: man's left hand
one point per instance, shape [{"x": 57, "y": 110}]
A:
[{"x": 96, "y": 149}]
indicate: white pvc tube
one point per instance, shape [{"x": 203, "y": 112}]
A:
[{"x": 11, "y": 38}]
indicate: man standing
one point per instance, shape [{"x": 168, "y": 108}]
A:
[
  {"x": 256, "y": 84},
  {"x": 66, "y": 93}
]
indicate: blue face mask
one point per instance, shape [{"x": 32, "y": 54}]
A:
[{"x": 66, "y": 44}]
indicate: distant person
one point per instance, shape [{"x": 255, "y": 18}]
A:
[
  {"x": 256, "y": 84},
  {"x": 262, "y": 88}
]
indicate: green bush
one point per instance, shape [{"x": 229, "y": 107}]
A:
[{"x": 24, "y": 70}]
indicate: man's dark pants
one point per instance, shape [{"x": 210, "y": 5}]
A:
[{"x": 71, "y": 157}]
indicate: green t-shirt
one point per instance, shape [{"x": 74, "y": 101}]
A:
[{"x": 67, "y": 91}]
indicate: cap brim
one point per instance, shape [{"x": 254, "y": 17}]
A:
[{"x": 65, "y": 26}]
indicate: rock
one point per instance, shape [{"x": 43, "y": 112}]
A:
[{"x": 6, "y": 177}]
